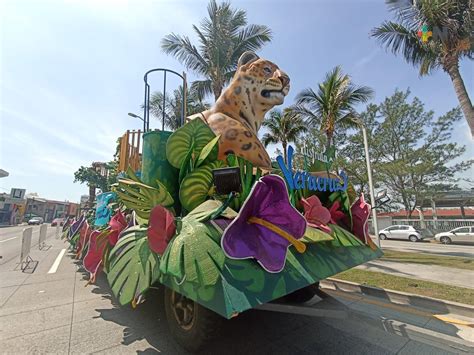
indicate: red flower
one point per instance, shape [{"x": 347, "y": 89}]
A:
[
  {"x": 316, "y": 214},
  {"x": 336, "y": 214},
  {"x": 161, "y": 228},
  {"x": 117, "y": 224}
]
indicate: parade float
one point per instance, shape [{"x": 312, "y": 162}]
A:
[{"x": 223, "y": 228}]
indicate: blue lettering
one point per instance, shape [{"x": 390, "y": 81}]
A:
[
  {"x": 312, "y": 183},
  {"x": 304, "y": 179}
]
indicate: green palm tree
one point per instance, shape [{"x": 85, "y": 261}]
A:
[
  {"x": 333, "y": 104},
  {"x": 173, "y": 106},
  {"x": 283, "y": 128},
  {"x": 454, "y": 18},
  {"x": 223, "y": 37}
]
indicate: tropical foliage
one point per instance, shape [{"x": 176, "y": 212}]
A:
[
  {"x": 173, "y": 106},
  {"x": 452, "y": 26},
  {"x": 283, "y": 127},
  {"x": 333, "y": 104},
  {"x": 223, "y": 37}
]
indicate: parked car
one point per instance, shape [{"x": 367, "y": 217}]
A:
[
  {"x": 460, "y": 234},
  {"x": 35, "y": 220},
  {"x": 57, "y": 221},
  {"x": 402, "y": 232}
]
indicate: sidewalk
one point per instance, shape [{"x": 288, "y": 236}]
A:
[{"x": 434, "y": 273}]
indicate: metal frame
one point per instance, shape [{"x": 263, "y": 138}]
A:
[{"x": 146, "y": 106}]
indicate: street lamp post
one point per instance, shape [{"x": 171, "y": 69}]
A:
[
  {"x": 140, "y": 118},
  {"x": 369, "y": 174}
]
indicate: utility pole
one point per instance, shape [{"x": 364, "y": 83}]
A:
[{"x": 369, "y": 174}]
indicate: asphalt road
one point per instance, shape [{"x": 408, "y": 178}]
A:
[
  {"x": 47, "y": 309},
  {"x": 465, "y": 250},
  {"x": 10, "y": 241}
]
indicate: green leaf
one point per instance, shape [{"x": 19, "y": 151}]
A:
[
  {"x": 194, "y": 254},
  {"x": 141, "y": 197},
  {"x": 186, "y": 165},
  {"x": 194, "y": 134},
  {"x": 208, "y": 207},
  {"x": 133, "y": 267},
  {"x": 314, "y": 235},
  {"x": 196, "y": 186},
  {"x": 209, "y": 148}
]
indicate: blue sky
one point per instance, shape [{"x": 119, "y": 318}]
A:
[{"x": 71, "y": 70}]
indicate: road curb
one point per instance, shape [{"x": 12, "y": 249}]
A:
[{"x": 409, "y": 299}]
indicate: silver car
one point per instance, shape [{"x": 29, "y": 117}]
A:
[
  {"x": 461, "y": 234},
  {"x": 401, "y": 232}
]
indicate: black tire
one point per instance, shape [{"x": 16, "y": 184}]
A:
[
  {"x": 303, "y": 294},
  {"x": 445, "y": 240},
  {"x": 382, "y": 236},
  {"x": 413, "y": 238},
  {"x": 192, "y": 331}
]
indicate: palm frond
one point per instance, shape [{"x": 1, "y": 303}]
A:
[{"x": 182, "y": 48}]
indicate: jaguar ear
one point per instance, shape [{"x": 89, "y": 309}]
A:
[{"x": 247, "y": 58}]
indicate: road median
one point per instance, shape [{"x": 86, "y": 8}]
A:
[{"x": 403, "y": 298}]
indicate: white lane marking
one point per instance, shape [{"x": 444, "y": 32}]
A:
[
  {"x": 55, "y": 265},
  {"x": 6, "y": 240}
]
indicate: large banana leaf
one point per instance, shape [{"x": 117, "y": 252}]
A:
[
  {"x": 141, "y": 197},
  {"x": 195, "y": 253},
  {"x": 194, "y": 135},
  {"x": 133, "y": 267}
]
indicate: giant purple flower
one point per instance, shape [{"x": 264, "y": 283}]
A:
[{"x": 266, "y": 226}]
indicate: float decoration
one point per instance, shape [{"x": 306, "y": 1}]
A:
[
  {"x": 161, "y": 228},
  {"x": 316, "y": 214},
  {"x": 140, "y": 197},
  {"x": 189, "y": 141},
  {"x": 134, "y": 266},
  {"x": 194, "y": 254},
  {"x": 266, "y": 226}
]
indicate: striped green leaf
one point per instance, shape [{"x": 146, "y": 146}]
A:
[{"x": 194, "y": 135}]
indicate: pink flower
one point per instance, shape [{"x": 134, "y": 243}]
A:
[
  {"x": 360, "y": 211},
  {"x": 316, "y": 214}
]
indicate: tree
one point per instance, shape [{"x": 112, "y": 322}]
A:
[
  {"x": 455, "y": 18},
  {"x": 173, "y": 106},
  {"x": 283, "y": 128},
  {"x": 223, "y": 37},
  {"x": 333, "y": 104},
  {"x": 99, "y": 175},
  {"x": 414, "y": 152}
]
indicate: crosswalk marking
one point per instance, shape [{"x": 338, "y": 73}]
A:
[{"x": 56, "y": 263}]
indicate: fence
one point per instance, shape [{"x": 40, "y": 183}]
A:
[
  {"x": 435, "y": 225},
  {"x": 129, "y": 155}
]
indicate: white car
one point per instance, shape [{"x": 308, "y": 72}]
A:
[
  {"x": 461, "y": 234},
  {"x": 401, "y": 232},
  {"x": 35, "y": 221}
]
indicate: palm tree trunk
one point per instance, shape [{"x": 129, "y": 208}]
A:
[
  {"x": 285, "y": 153},
  {"x": 217, "y": 89},
  {"x": 452, "y": 67}
]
